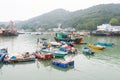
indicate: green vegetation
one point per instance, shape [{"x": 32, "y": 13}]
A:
[{"x": 86, "y": 19}]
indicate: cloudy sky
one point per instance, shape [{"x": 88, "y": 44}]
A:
[{"x": 26, "y": 9}]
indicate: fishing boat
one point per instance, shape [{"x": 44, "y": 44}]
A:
[
  {"x": 60, "y": 54},
  {"x": 61, "y": 36},
  {"x": 3, "y": 53},
  {"x": 87, "y": 50},
  {"x": 24, "y": 57},
  {"x": 98, "y": 47},
  {"x": 43, "y": 56},
  {"x": 42, "y": 43},
  {"x": 63, "y": 63},
  {"x": 55, "y": 52},
  {"x": 10, "y": 31},
  {"x": 51, "y": 47},
  {"x": 68, "y": 49},
  {"x": 104, "y": 44}
]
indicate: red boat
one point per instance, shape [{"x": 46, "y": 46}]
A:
[
  {"x": 9, "y": 32},
  {"x": 43, "y": 56}
]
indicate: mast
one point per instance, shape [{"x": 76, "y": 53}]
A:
[{"x": 11, "y": 25}]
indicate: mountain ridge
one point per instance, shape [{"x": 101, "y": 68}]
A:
[{"x": 81, "y": 19}]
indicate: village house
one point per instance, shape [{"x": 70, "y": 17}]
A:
[{"x": 108, "y": 27}]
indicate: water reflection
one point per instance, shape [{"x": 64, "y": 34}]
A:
[
  {"x": 93, "y": 39},
  {"x": 61, "y": 69},
  {"x": 1, "y": 65},
  {"x": 44, "y": 63},
  {"x": 19, "y": 63},
  {"x": 88, "y": 56}
]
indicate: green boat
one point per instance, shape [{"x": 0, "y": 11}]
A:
[
  {"x": 61, "y": 36},
  {"x": 59, "y": 54}
]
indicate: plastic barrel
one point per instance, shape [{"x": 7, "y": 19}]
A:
[{"x": 71, "y": 63}]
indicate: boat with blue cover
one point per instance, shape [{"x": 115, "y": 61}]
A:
[
  {"x": 87, "y": 50},
  {"x": 63, "y": 63}
]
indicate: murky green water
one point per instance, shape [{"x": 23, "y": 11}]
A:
[{"x": 104, "y": 65}]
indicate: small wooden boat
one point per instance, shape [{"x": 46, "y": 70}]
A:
[
  {"x": 55, "y": 44},
  {"x": 87, "y": 50},
  {"x": 25, "y": 57},
  {"x": 98, "y": 47},
  {"x": 43, "y": 56},
  {"x": 63, "y": 63},
  {"x": 60, "y": 54},
  {"x": 3, "y": 53},
  {"x": 104, "y": 44},
  {"x": 45, "y": 50}
]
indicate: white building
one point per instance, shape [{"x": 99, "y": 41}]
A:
[{"x": 108, "y": 27}]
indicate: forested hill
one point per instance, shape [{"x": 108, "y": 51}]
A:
[
  {"x": 82, "y": 19},
  {"x": 96, "y": 15}
]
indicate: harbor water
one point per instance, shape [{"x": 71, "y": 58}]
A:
[{"x": 104, "y": 65}]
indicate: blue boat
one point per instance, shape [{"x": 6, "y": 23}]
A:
[
  {"x": 87, "y": 50},
  {"x": 104, "y": 44},
  {"x": 3, "y": 53},
  {"x": 63, "y": 63}
]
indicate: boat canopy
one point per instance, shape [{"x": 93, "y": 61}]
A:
[{"x": 61, "y": 35}]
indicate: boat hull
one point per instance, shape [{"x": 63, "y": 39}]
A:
[
  {"x": 63, "y": 63},
  {"x": 43, "y": 56},
  {"x": 87, "y": 50},
  {"x": 13, "y": 58},
  {"x": 9, "y": 34},
  {"x": 76, "y": 40},
  {"x": 104, "y": 44},
  {"x": 96, "y": 47},
  {"x": 59, "y": 54}
]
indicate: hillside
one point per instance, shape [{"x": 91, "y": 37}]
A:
[
  {"x": 96, "y": 15},
  {"x": 82, "y": 19},
  {"x": 47, "y": 20}
]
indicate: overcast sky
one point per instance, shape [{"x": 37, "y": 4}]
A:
[{"x": 26, "y": 9}]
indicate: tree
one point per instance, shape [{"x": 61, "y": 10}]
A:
[{"x": 114, "y": 21}]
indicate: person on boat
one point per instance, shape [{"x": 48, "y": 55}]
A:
[
  {"x": 0, "y": 55},
  {"x": 27, "y": 54}
]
